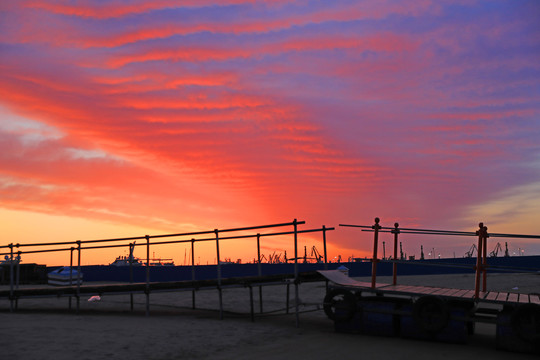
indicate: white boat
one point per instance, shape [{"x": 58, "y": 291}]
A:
[
  {"x": 124, "y": 261},
  {"x": 64, "y": 276}
]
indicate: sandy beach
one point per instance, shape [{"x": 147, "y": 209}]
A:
[{"x": 45, "y": 328}]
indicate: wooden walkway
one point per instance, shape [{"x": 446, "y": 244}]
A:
[{"x": 341, "y": 279}]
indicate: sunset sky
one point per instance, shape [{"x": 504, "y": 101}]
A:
[{"x": 126, "y": 118}]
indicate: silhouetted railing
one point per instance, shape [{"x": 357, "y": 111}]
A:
[
  {"x": 15, "y": 252},
  {"x": 481, "y": 262}
]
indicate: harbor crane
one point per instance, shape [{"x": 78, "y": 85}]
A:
[
  {"x": 315, "y": 253},
  {"x": 471, "y": 251},
  {"x": 495, "y": 251}
]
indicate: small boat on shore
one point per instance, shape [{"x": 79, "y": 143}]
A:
[{"x": 64, "y": 276}]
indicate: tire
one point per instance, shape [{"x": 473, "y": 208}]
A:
[
  {"x": 525, "y": 321},
  {"x": 431, "y": 314},
  {"x": 341, "y": 300}
]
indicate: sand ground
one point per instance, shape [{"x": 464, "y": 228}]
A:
[{"x": 107, "y": 329}]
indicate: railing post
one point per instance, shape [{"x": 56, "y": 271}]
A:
[
  {"x": 11, "y": 280},
  {"x": 296, "y": 300},
  {"x": 324, "y": 247},
  {"x": 394, "y": 267},
  {"x": 71, "y": 273},
  {"x": 259, "y": 266},
  {"x": 131, "y": 250},
  {"x": 18, "y": 272},
  {"x": 147, "y": 275},
  {"x": 484, "y": 260},
  {"x": 216, "y": 231},
  {"x": 193, "y": 272},
  {"x": 78, "y": 275},
  {"x": 479, "y": 262},
  {"x": 376, "y": 229}
]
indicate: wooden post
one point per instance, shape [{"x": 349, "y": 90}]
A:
[
  {"x": 376, "y": 228},
  {"x": 480, "y": 234},
  {"x": 394, "y": 267}
]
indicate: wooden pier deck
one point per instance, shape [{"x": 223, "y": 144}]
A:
[{"x": 416, "y": 291}]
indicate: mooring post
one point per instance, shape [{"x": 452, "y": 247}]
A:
[
  {"x": 11, "y": 278},
  {"x": 147, "y": 291},
  {"x": 376, "y": 229},
  {"x": 484, "y": 260},
  {"x": 219, "y": 276},
  {"x": 296, "y": 300},
  {"x": 193, "y": 272},
  {"x": 394, "y": 267},
  {"x": 78, "y": 275},
  {"x": 259, "y": 266},
  {"x": 480, "y": 251}
]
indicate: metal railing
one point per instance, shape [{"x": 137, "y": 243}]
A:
[
  {"x": 480, "y": 268},
  {"x": 81, "y": 245}
]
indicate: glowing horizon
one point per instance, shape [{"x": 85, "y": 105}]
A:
[{"x": 124, "y": 118}]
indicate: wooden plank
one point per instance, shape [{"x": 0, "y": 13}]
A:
[
  {"x": 492, "y": 295},
  {"x": 502, "y": 296},
  {"x": 523, "y": 298},
  {"x": 415, "y": 289},
  {"x": 482, "y": 294},
  {"x": 442, "y": 291},
  {"x": 430, "y": 290},
  {"x": 512, "y": 297},
  {"x": 460, "y": 293},
  {"x": 453, "y": 292},
  {"x": 403, "y": 288},
  {"x": 468, "y": 295},
  {"x": 535, "y": 299},
  {"x": 425, "y": 289}
]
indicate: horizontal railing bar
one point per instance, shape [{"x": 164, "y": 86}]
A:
[
  {"x": 77, "y": 241},
  {"x": 441, "y": 232},
  {"x": 359, "y": 226},
  {"x": 435, "y": 231},
  {"x": 159, "y": 236},
  {"x": 514, "y": 236},
  {"x": 38, "y": 251},
  {"x": 176, "y": 241},
  {"x": 423, "y": 233},
  {"x": 243, "y": 236}
]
